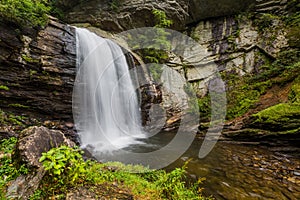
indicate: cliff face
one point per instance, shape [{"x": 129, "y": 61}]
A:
[
  {"x": 38, "y": 69},
  {"x": 120, "y": 15}
]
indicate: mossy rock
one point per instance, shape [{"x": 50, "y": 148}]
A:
[{"x": 282, "y": 117}]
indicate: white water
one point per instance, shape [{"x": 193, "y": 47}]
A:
[{"x": 105, "y": 106}]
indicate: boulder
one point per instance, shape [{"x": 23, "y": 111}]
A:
[{"x": 33, "y": 141}]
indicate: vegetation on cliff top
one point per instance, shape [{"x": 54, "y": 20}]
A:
[{"x": 28, "y": 12}]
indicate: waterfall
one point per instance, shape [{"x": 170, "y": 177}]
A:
[{"x": 105, "y": 106}]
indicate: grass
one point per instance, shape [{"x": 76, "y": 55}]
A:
[
  {"x": 98, "y": 178},
  {"x": 147, "y": 184}
]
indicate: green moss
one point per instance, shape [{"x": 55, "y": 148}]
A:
[
  {"x": 294, "y": 95},
  {"x": 29, "y": 59},
  {"x": 17, "y": 105},
  {"x": 4, "y": 87},
  {"x": 243, "y": 93},
  {"x": 265, "y": 20},
  {"x": 279, "y": 113},
  {"x": 11, "y": 119}
]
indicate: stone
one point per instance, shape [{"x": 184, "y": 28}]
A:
[
  {"x": 33, "y": 141},
  {"x": 127, "y": 14},
  {"x": 25, "y": 185},
  {"x": 38, "y": 67}
]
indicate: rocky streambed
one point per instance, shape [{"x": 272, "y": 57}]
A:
[{"x": 247, "y": 170}]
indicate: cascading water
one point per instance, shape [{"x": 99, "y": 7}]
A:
[{"x": 105, "y": 105}]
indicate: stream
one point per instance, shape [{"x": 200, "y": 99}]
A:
[
  {"x": 239, "y": 171},
  {"x": 236, "y": 170}
]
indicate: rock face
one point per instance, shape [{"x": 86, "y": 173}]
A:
[
  {"x": 33, "y": 141},
  {"x": 38, "y": 69},
  {"x": 120, "y": 15}
]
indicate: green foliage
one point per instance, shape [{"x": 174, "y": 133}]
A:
[
  {"x": 266, "y": 20},
  {"x": 11, "y": 119},
  {"x": 115, "y": 5},
  {"x": 4, "y": 87},
  {"x": 153, "y": 45},
  {"x": 148, "y": 184},
  {"x": 38, "y": 194},
  {"x": 282, "y": 112},
  {"x": 25, "y": 12},
  {"x": 173, "y": 186},
  {"x": 8, "y": 171},
  {"x": 64, "y": 164},
  {"x": 8, "y": 145},
  {"x": 29, "y": 59},
  {"x": 161, "y": 19},
  {"x": 204, "y": 105},
  {"x": 157, "y": 51},
  {"x": 294, "y": 95},
  {"x": 17, "y": 105},
  {"x": 243, "y": 93}
]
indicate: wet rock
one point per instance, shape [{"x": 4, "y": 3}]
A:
[
  {"x": 297, "y": 173},
  {"x": 33, "y": 141}
]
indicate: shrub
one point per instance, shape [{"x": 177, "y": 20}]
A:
[
  {"x": 64, "y": 164},
  {"x": 25, "y": 12}
]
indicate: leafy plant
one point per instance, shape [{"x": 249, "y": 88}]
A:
[
  {"x": 161, "y": 19},
  {"x": 25, "y": 12},
  {"x": 64, "y": 164},
  {"x": 8, "y": 171}
]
